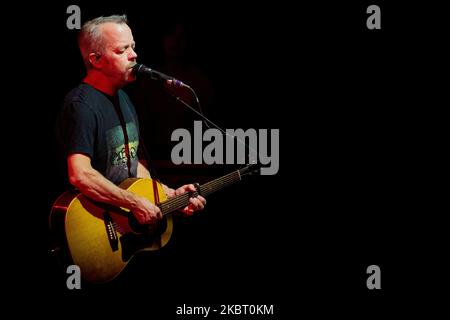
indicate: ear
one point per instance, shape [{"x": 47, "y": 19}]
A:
[{"x": 94, "y": 58}]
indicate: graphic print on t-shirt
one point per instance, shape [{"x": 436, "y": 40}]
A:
[{"x": 117, "y": 169}]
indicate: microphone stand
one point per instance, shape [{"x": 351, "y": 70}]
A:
[{"x": 206, "y": 120}]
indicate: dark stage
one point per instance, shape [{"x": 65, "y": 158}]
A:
[{"x": 301, "y": 239}]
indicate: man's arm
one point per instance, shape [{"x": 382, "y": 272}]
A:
[
  {"x": 94, "y": 185},
  {"x": 142, "y": 171}
]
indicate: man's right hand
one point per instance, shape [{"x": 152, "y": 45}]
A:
[
  {"x": 95, "y": 186},
  {"x": 146, "y": 212}
]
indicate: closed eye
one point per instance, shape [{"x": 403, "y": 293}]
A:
[{"x": 125, "y": 48}]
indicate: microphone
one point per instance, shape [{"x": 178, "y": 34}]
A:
[{"x": 140, "y": 69}]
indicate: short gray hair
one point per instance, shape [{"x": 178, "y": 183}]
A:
[{"x": 90, "y": 39}]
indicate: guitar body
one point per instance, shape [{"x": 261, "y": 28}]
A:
[{"x": 102, "y": 239}]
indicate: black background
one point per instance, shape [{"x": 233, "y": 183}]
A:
[{"x": 348, "y": 105}]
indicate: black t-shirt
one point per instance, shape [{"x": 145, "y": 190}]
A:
[{"x": 92, "y": 123}]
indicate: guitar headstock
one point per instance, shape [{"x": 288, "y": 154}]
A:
[{"x": 250, "y": 169}]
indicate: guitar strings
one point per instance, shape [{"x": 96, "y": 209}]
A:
[
  {"x": 207, "y": 188},
  {"x": 215, "y": 184},
  {"x": 183, "y": 200},
  {"x": 178, "y": 203}
]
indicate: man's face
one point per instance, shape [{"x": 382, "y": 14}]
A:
[{"x": 118, "y": 52}]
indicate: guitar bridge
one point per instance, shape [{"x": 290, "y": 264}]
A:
[{"x": 111, "y": 231}]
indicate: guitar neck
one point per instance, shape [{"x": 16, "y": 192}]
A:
[{"x": 206, "y": 189}]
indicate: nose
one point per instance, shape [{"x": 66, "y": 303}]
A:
[{"x": 132, "y": 55}]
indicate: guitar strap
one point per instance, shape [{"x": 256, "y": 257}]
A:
[
  {"x": 156, "y": 197},
  {"x": 155, "y": 192},
  {"x": 116, "y": 103},
  {"x": 127, "y": 148},
  {"x": 143, "y": 153}
]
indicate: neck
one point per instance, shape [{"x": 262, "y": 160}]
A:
[{"x": 101, "y": 82}]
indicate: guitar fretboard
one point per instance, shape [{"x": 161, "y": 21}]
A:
[{"x": 206, "y": 189}]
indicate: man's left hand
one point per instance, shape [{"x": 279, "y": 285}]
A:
[{"x": 196, "y": 203}]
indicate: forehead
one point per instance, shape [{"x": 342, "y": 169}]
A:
[{"x": 115, "y": 34}]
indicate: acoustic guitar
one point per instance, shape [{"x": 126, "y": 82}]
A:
[{"x": 101, "y": 239}]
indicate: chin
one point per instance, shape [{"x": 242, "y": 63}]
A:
[{"x": 130, "y": 78}]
